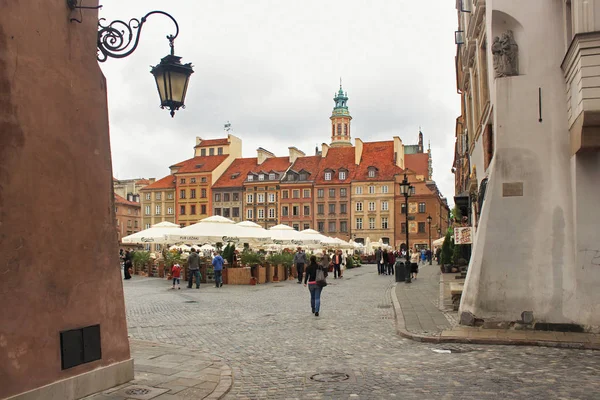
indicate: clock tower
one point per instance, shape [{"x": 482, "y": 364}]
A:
[{"x": 340, "y": 120}]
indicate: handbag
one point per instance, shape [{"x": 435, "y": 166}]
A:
[{"x": 320, "y": 278}]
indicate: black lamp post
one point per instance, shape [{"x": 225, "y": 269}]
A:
[
  {"x": 119, "y": 39},
  {"x": 406, "y": 191},
  {"x": 430, "y": 249}
]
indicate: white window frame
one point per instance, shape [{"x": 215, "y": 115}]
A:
[
  {"x": 250, "y": 178},
  {"x": 260, "y": 213},
  {"x": 384, "y": 206},
  {"x": 371, "y": 173},
  {"x": 157, "y": 209},
  {"x": 261, "y": 177},
  {"x": 249, "y": 214},
  {"x": 371, "y": 222},
  {"x": 327, "y": 176},
  {"x": 359, "y": 190},
  {"x": 359, "y": 206},
  {"x": 249, "y": 198},
  {"x": 384, "y": 189},
  {"x": 306, "y": 194},
  {"x": 260, "y": 198},
  {"x": 359, "y": 223},
  {"x": 372, "y": 206},
  {"x": 158, "y": 196},
  {"x": 271, "y": 176},
  {"x": 271, "y": 197},
  {"x": 371, "y": 189},
  {"x": 147, "y": 210},
  {"x": 147, "y": 226},
  {"x": 342, "y": 175},
  {"x": 148, "y": 196},
  {"x": 384, "y": 223},
  {"x": 170, "y": 211},
  {"x": 271, "y": 213}
]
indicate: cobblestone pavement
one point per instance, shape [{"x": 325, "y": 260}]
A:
[{"x": 274, "y": 345}]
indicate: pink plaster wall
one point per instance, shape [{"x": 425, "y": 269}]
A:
[{"x": 58, "y": 247}]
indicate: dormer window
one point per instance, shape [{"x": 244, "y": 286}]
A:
[
  {"x": 250, "y": 177},
  {"x": 342, "y": 175},
  {"x": 291, "y": 177},
  {"x": 303, "y": 176},
  {"x": 372, "y": 171},
  {"x": 261, "y": 177},
  {"x": 327, "y": 176},
  {"x": 272, "y": 177}
]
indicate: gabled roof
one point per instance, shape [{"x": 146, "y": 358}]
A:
[
  {"x": 418, "y": 162},
  {"x": 168, "y": 182},
  {"x": 337, "y": 157},
  {"x": 212, "y": 142},
  {"x": 200, "y": 164},
  {"x": 379, "y": 155},
  {"x": 237, "y": 172},
  {"x": 124, "y": 201}
]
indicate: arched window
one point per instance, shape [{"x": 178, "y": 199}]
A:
[
  {"x": 339, "y": 130},
  {"x": 345, "y": 129}
]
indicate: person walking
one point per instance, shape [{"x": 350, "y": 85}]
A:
[
  {"x": 337, "y": 262},
  {"x": 310, "y": 277},
  {"x": 217, "y": 263},
  {"x": 384, "y": 263},
  {"x": 127, "y": 264},
  {"x": 176, "y": 273},
  {"x": 194, "y": 269},
  {"x": 300, "y": 262},
  {"x": 390, "y": 263},
  {"x": 379, "y": 260},
  {"x": 438, "y": 254},
  {"x": 414, "y": 263},
  {"x": 325, "y": 261}
]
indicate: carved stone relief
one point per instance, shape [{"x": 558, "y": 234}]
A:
[{"x": 506, "y": 55}]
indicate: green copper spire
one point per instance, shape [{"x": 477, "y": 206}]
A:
[{"x": 341, "y": 100}]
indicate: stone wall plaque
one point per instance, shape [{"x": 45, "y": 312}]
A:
[{"x": 511, "y": 189}]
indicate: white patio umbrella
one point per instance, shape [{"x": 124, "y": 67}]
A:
[
  {"x": 216, "y": 229},
  {"x": 157, "y": 233},
  {"x": 285, "y": 234},
  {"x": 317, "y": 237}
]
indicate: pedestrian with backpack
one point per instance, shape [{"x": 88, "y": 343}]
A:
[{"x": 315, "y": 276}]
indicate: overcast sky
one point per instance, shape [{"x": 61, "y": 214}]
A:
[{"x": 271, "y": 68}]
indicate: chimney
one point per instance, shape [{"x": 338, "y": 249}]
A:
[
  {"x": 295, "y": 153},
  {"x": 263, "y": 154},
  {"x": 398, "y": 152},
  {"x": 324, "y": 149},
  {"x": 358, "y": 148},
  {"x": 198, "y": 140}
]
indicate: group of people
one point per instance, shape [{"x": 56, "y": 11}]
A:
[
  {"x": 126, "y": 258},
  {"x": 194, "y": 270},
  {"x": 387, "y": 259}
]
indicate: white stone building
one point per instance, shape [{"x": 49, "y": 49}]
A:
[{"x": 528, "y": 150}]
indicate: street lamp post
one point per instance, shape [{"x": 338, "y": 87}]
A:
[
  {"x": 430, "y": 249},
  {"x": 406, "y": 191}
]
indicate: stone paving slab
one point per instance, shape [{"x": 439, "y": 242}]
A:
[
  {"x": 424, "y": 313},
  {"x": 164, "y": 371}
]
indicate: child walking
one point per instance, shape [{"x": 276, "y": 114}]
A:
[{"x": 176, "y": 271}]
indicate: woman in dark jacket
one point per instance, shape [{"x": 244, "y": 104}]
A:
[
  {"x": 390, "y": 263},
  {"x": 310, "y": 277}
]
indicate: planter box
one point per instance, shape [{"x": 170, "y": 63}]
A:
[
  {"x": 262, "y": 274},
  {"x": 269, "y": 273},
  {"x": 238, "y": 276}
]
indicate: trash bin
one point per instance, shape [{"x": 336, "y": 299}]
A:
[{"x": 400, "y": 271}]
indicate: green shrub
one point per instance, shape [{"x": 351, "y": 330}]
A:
[
  {"x": 447, "y": 248},
  {"x": 285, "y": 259},
  {"x": 349, "y": 262},
  {"x": 250, "y": 258}
]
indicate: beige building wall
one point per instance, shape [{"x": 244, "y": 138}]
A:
[
  {"x": 373, "y": 210},
  {"x": 150, "y": 199}
]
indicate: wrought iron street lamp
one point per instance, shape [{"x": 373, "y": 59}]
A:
[
  {"x": 406, "y": 190},
  {"x": 119, "y": 39},
  {"x": 430, "y": 249}
]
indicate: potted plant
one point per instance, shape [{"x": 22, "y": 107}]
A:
[
  {"x": 281, "y": 261},
  {"x": 140, "y": 259},
  {"x": 447, "y": 252},
  {"x": 171, "y": 258}
]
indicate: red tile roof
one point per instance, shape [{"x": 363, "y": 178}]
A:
[
  {"x": 278, "y": 164},
  {"x": 237, "y": 172},
  {"x": 418, "y": 162},
  {"x": 121, "y": 200},
  {"x": 212, "y": 142},
  {"x": 337, "y": 157},
  {"x": 381, "y": 156},
  {"x": 309, "y": 164},
  {"x": 200, "y": 164},
  {"x": 168, "y": 182}
]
